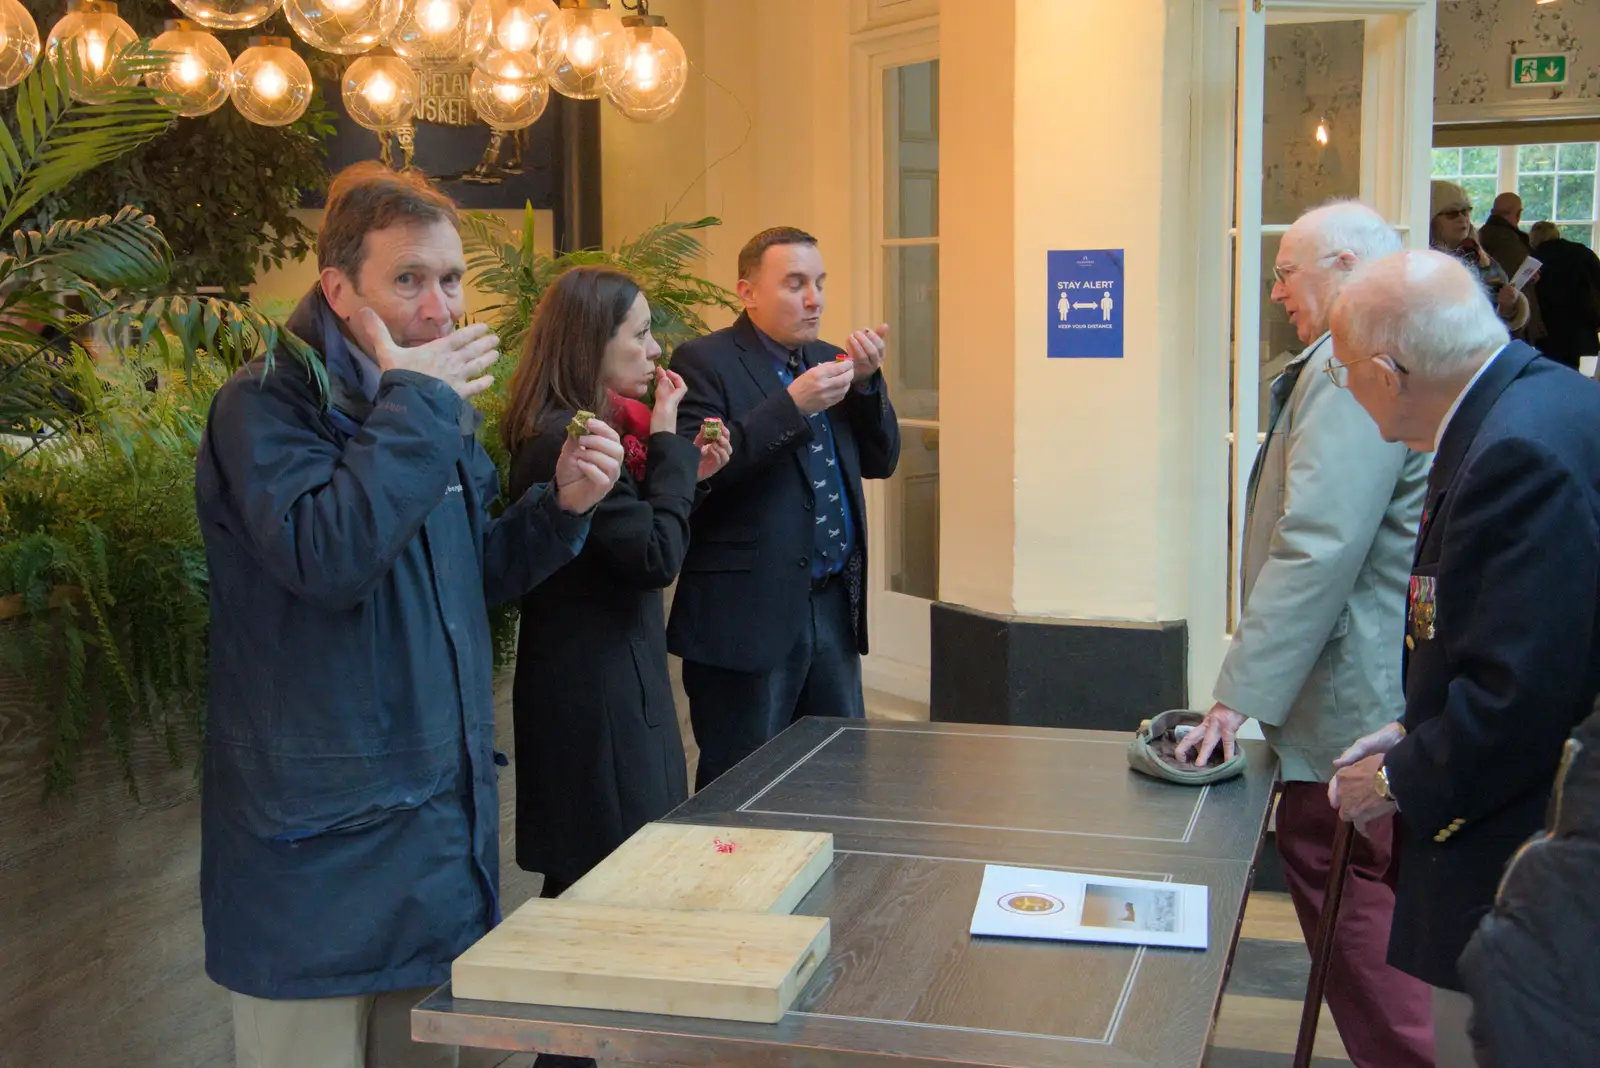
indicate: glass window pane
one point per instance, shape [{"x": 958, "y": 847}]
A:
[
  {"x": 1446, "y": 162},
  {"x": 1575, "y": 196},
  {"x": 911, "y": 150},
  {"x": 1538, "y": 197},
  {"x": 1319, "y": 78},
  {"x": 1536, "y": 158},
  {"x": 1578, "y": 156},
  {"x": 913, "y": 515},
  {"x": 1583, "y": 235},
  {"x": 1279, "y": 341},
  {"x": 1480, "y": 161},
  {"x": 911, "y": 307},
  {"x": 1481, "y": 191}
]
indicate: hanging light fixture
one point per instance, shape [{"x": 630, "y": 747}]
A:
[
  {"x": 577, "y": 46},
  {"x": 439, "y": 33},
  {"x": 380, "y": 91},
  {"x": 229, "y": 14},
  {"x": 19, "y": 43},
  {"x": 195, "y": 78},
  {"x": 97, "y": 34},
  {"x": 269, "y": 83},
  {"x": 344, "y": 27},
  {"x": 515, "y": 25},
  {"x": 646, "y": 74},
  {"x": 507, "y": 106},
  {"x": 1322, "y": 132}
]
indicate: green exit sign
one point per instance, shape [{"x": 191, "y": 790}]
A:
[{"x": 1539, "y": 70}]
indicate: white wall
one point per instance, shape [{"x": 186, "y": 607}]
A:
[{"x": 1476, "y": 40}]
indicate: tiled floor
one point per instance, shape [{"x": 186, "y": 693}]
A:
[{"x": 1260, "y": 1015}]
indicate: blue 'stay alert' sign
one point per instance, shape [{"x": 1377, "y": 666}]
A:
[{"x": 1085, "y": 304}]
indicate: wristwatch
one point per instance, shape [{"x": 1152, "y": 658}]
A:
[{"x": 1380, "y": 784}]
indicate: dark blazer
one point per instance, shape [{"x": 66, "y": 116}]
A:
[
  {"x": 1510, "y": 544},
  {"x": 599, "y": 754},
  {"x": 1569, "y": 296},
  {"x": 746, "y": 582}
]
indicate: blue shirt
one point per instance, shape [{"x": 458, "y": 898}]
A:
[{"x": 835, "y": 534}]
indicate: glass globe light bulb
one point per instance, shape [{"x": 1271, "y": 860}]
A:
[
  {"x": 344, "y": 27},
  {"x": 514, "y": 26},
  {"x": 646, "y": 75},
  {"x": 508, "y": 106},
  {"x": 269, "y": 81},
  {"x": 270, "y": 84},
  {"x": 576, "y": 49},
  {"x": 229, "y": 14},
  {"x": 440, "y": 33},
  {"x": 380, "y": 91},
  {"x": 439, "y": 17},
  {"x": 196, "y": 79},
  {"x": 96, "y": 34},
  {"x": 19, "y": 43}
]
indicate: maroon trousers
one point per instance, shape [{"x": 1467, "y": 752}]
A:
[{"x": 1385, "y": 1017}]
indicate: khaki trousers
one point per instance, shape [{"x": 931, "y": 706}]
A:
[
  {"x": 369, "y": 1031},
  {"x": 1452, "y": 1013}
]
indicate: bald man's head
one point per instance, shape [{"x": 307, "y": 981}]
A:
[
  {"x": 1412, "y": 329},
  {"x": 1509, "y": 207}
]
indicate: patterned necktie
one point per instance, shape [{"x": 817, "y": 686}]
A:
[{"x": 827, "y": 489}]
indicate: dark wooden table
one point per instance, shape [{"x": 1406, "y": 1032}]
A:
[{"x": 917, "y": 810}]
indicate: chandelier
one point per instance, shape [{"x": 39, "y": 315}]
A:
[{"x": 516, "y": 52}]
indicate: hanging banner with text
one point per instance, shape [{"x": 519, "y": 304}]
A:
[{"x": 1085, "y": 304}]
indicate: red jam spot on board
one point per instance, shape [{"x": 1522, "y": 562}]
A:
[{"x": 724, "y": 847}]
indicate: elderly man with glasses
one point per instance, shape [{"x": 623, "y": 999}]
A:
[
  {"x": 1330, "y": 524},
  {"x": 1503, "y": 619}
]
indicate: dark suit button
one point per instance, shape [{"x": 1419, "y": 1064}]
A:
[
  {"x": 805, "y": 561},
  {"x": 810, "y": 504}
]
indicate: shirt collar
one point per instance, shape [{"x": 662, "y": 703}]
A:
[
  {"x": 1438, "y": 439},
  {"x": 775, "y": 350}
]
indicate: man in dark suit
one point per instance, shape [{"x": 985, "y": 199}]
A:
[
  {"x": 1502, "y": 635},
  {"x": 770, "y": 614}
]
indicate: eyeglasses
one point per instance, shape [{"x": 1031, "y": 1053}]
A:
[
  {"x": 1339, "y": 373},
  {"x": 1456, "y": 213},
  {"x": 1282, "y": 273}
]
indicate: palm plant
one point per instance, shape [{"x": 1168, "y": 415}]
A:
[
  {"x": 112, "y": 271},
  {"x": 511, "y": 267}
]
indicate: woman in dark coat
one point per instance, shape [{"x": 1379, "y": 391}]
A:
[{"x": 597, "y": 744}]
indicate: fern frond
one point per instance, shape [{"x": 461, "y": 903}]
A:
[{"x": 57, "y": 138}]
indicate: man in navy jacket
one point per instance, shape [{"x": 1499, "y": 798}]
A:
[
  {"x": 1502, "y": 635},
  {"x": 349, "y": 811},
  {"x": 770, "y": 613}
]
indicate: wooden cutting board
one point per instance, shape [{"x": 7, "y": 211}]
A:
[
  {"x": 727, "y": 869},
  {"x": 722, "y": 966}
]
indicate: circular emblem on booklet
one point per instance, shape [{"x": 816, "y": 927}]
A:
[{"x": 1032, "y": 903}]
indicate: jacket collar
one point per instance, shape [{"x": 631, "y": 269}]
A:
[{"x": 1475, "y": 406}]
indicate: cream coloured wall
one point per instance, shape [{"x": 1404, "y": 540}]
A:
[{"x": 1102, "y": 445}]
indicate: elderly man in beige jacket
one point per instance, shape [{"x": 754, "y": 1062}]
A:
[{"x": 1330, "y": 530}]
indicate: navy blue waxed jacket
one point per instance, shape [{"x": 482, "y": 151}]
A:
[{"x": 350, "y": 810}]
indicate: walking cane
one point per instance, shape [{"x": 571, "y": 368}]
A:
[{"x": 1322, "y": 952}]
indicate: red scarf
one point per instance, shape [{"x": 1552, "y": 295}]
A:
[{"x": 632, "y": 420}]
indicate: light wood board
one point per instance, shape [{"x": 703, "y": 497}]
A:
[
  {"x": 722, "y": 869},
  {"x": 724, "y": 966}
]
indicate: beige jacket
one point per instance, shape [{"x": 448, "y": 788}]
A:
[{"x": 1329, "y": 536}]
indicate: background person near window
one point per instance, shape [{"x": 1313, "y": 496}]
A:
[
  {"x": 1569, "y": 283},
  {"x": 1452, "y": 232}
]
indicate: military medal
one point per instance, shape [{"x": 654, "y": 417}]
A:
[{"x": 1424, "y": 609}]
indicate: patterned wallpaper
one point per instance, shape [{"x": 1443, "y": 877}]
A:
[{"x": 1477, "y": 38}]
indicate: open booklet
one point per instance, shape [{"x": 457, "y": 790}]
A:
[{"x": 1067, "y": 906}]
